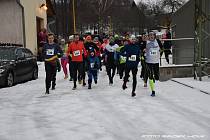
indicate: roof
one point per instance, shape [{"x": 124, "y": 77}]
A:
[{"x": 10, "y": 45}]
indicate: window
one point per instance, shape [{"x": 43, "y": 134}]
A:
[
  {"x": 27, "y": 53},
  {"x": 20, "y": 53},
  {"x": 7, "y": 54}
]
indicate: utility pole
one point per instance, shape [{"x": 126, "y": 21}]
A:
[
  {"x": 201, "y": 19},
  {"x": 74, "y": 16},
  {"x": 110, "y": 25},
  {"x": 198, "y": 41}
]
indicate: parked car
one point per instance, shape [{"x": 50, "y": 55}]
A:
[{"x": 17, "y": 64}]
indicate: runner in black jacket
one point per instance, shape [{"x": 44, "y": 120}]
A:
[{"x": 132, "y": 53}]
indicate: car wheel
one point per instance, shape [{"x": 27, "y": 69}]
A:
[
  {"x": 35, "y": 74},
  {"x": 10, "y": 79}
]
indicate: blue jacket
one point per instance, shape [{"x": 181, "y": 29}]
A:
[
  {"x": 132, "y": 53},
  {"x": 93, "y": 63}
]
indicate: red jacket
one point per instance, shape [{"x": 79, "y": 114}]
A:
[
  {"x": 77, "y": 50},
  {"x": 98, "y": 53}
]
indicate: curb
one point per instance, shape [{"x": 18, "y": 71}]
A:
[{"x": 191, "y": 87}]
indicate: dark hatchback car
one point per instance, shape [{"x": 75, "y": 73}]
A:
[{"x": 17, "y": 64}]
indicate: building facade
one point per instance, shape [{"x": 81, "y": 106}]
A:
[
  {"x": 21, "y": 22},
  {"x": 184, "y": 22}
]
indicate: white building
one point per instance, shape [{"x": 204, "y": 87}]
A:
[{"x": 21, "y": 20}]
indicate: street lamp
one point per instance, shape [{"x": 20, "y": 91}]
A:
[
  {"x": 43, "y": 6},
  {"x": 110, "y": 24}
]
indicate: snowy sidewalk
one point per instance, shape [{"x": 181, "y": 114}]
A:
[
  {"x": 203, "y": 86},
  {"x": 103, "y": 113}
]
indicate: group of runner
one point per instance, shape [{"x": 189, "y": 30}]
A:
[{"x": 87, "y": 54}]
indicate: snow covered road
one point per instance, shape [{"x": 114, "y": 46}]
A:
[{"x": 103, "y": 113}]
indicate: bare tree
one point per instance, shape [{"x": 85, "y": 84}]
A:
[
  {"x": 162, "y": 6},
  {"x": 172, "y": 5},
  {"x": 101, "y": 7},
  {"x": 97, "y": 15},
  {"x": 150, "y": 8}
]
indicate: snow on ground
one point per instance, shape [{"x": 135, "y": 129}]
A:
[
  {"x": 203, "y": 85},
  {"x": 103, "y": 113}
]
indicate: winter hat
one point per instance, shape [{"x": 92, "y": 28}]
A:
[
  {"x": 96, "y": 39},
  {"x": 151, "y": 33},
  {"x": 88, "y": 38},
  {"x": 116, "y": 36},
  {"x": 133, "y": 37},
  {"x": 71, "y": 37}
]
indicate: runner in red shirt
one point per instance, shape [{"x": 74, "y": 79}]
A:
[{"x": 77, "y": 50}]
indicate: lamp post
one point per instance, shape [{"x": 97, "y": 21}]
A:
[
  {"x": 43, "y": 6},
  {"x": 74, "y": 16},
  {"x": 110, "y": 24}
]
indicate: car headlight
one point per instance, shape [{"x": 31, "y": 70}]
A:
[{"x": 1, "y": 71}]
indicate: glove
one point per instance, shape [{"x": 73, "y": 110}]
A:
[
  {"x": 58, "y": 65},
  {"x": 59, "y": 55}
]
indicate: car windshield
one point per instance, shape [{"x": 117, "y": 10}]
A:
[{"x": 7, "y": 54}]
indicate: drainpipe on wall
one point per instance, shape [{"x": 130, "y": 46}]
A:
[{"x": 23, "y": 22}]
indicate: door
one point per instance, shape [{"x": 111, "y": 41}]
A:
[{"x": 39, "y": 26}]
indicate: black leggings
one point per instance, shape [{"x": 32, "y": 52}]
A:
[
  {"x": 121, "y": 70},
  {"x": 167, "y": 52},
  {"x": 143, "y": 63},
  {"x": 134, "y": 73},
  {"x": 85, "y": 66},
  {"x": 111, "y": 71},
  {"x": 51, "y": 70},
  {"x": 77, "y": 68},
  {"x": 151, "y": 72}
]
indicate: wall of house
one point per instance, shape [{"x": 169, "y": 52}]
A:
[
  {"x": 32, "y": 10},
  {"x": 11, "y": 29},
  {"x": 184, "y": 20},
  {"x": 12, "y": 26},
  {"x": 183, "y": 52}
]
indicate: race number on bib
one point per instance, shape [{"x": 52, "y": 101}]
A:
[
  {"x": 76, "y": 53},
  {"x": 123, "y": 58},
  {"x": 132, "y": 58},
  {"x": 154, "y": 52},
  {"x": 92, "y": 65},
  {"x": 50, "y": 51}
]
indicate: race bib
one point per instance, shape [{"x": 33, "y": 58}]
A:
[
  {"x": 76, "y": 53},
  {"x": 50, "y": 52},
  {"x": 123, "y": 58},
  {"x": 154, "y": 52},
  {"x": 132, "y": 58},
  {"x": 92, "y": 65}
]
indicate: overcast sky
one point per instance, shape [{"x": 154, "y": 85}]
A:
[
  {"x": 143, "y": 0},
  {"x": 148, "y": 1}
]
